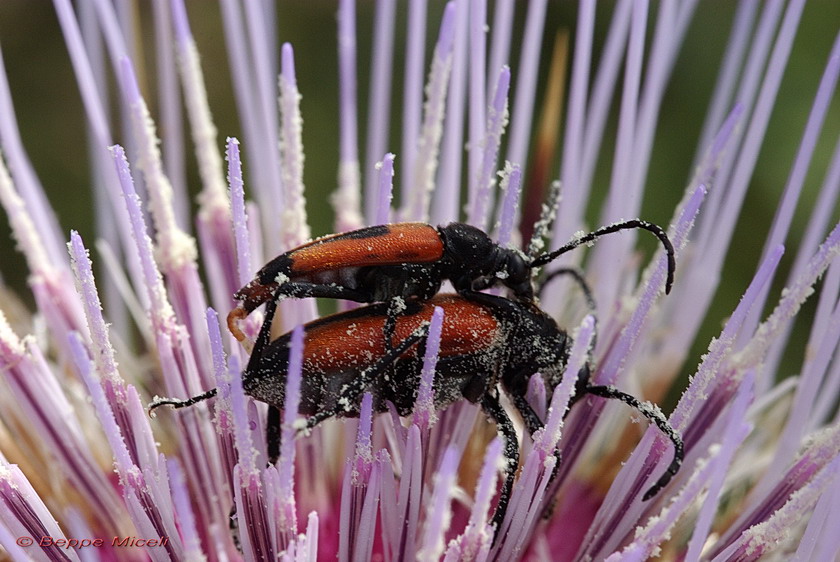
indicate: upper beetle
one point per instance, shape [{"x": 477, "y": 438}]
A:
[
  {"x": 487, "y": 343},
  {"x": 379, "y": 263}
]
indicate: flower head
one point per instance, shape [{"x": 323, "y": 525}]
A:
[{"x": 140, "y": 317}]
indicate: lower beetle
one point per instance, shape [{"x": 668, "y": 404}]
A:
[
  {"x": 486, "y": 341},
  {"x": 379, "y": 263}
]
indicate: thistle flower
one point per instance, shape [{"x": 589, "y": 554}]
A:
[{"x": 761, "y": 431}]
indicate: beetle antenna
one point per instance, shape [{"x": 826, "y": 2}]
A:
[
  {"x": 577, "y": 276},
  {"x": 655, "y": 416},
  {"x": 177, "y": 404},
  {"x": 656, "y": 230},
  {"x": 262, "y": 341}
]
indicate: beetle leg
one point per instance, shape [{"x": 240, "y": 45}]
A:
[
  {"x": 272, "y": 434},
  {"x": 301, "y": 290},
  {"x": 533, "y": 423},
  {"x": 655, "y": 416},
  {"x": 353, "y": 390},
  {"x": 246, "y": 307},
  {"x": 495, "y": 411},
  {"x": 264, "y": 337},
  {"x": 529, "y": 416},
  {"x": 272, "y": 431},
  {"x": 297, "y": 290},
  {"x": 510, "y": 308},
  {"x": 233, "y": 527},
  {"x": 394, "y": 306}
]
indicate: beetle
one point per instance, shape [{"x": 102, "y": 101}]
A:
[
  {"x": 487, "y": 343},
  {"x": 407, "y": 260}
]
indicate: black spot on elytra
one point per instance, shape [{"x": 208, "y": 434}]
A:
[{"x": 363, "y": 233}]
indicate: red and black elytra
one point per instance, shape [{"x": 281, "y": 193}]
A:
[
  {"x": 330, "y": 266},
  {"x": 350, "y": 340},
  {"x": 487, "y": 343},
  {"x": 406, "y": 260}
]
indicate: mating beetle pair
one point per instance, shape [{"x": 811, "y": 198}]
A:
[{"x": 486, "y": 341}]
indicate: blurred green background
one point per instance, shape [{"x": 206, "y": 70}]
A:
[{"x": 53, "y": 126}]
